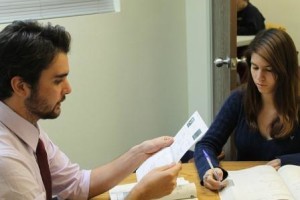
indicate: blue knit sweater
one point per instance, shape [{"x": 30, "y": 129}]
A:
[{"x": 250, "y": 145}]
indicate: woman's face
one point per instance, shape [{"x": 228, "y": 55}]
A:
[{"x": 262, "y": 75}]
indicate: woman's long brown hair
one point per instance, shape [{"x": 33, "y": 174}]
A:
[{"x": 279, "y": 50}]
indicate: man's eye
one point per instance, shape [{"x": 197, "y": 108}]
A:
[{"x": 57, "y": 81}]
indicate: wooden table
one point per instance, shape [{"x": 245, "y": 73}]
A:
[{"x": 189, "y": 172}]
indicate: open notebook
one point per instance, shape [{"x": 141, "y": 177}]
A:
[{"x": 263, "y": 182}]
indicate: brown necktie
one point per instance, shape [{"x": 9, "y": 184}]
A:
[{"x": 42, "y": 160}]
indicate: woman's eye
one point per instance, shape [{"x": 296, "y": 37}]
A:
[
  {"x": 254, "y": 67},
  {"x": 269, "y": 69}
]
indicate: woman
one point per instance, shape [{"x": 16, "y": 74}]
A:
[{"x": 263, "y": 114}]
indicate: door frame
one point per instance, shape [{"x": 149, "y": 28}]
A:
[{"x": 224, "y": 79}]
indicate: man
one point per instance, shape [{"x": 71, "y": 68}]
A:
[
  {"x": 249, "y": 19},
  {"x": 33, "y": 84}
]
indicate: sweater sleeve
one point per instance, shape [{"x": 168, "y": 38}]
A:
[
  {"x": 218, "y": 133},
  {"x": 292, "y": 159}
]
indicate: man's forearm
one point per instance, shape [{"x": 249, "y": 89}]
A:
[{"x": 107, "y": 176}]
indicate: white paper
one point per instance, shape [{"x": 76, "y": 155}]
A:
[
  {"x": 256, "y": 183},
  {"x": 184, "y": 190},
  {"x": 291, "y": 176},
  {"x": 191, "y": 132},
  {"x": 120, "y": 191}
]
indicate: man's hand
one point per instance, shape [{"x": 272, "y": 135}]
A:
[
  {"x": 150, "y": 147},
  {"x": 157, "y": 183},
  {"x": 107, "y": 176}
]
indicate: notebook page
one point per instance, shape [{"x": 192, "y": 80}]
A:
[{"x": 291, "y": 176}]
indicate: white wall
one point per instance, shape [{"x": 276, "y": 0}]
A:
[
  {"x": 282, "y": 12},
  {"x": 134, "y": 76},
  {"x": 199, "y": 58},
  {"x": 129, "y": 78}
]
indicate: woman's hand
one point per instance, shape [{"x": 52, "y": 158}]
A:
[
  {"x": 276, "y": 163},
  {"x": 211, "y": 182}
]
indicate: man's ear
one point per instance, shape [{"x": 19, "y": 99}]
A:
[{"x": 20, "y": 87}]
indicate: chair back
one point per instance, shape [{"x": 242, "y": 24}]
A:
[{"x": 274, "y": 25}]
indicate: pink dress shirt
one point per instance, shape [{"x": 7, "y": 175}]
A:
[{"x": 19, "y": 172}]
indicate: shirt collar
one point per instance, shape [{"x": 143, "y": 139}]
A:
[{"x": 19, "y": 126}]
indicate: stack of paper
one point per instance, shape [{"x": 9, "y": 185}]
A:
[{"x": 184, "y": 190}]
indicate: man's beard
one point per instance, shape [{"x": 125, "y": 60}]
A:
[{"x": 39, "y": 106}]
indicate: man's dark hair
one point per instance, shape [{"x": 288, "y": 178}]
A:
[{"x": 26, "y": 49}]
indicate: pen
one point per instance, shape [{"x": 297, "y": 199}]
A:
[{"x": 211, "y": 166}]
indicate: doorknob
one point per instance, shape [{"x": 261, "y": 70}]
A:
[
  {"x": 219, "y": 62},
  {"x": 229, "y": 62}
]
